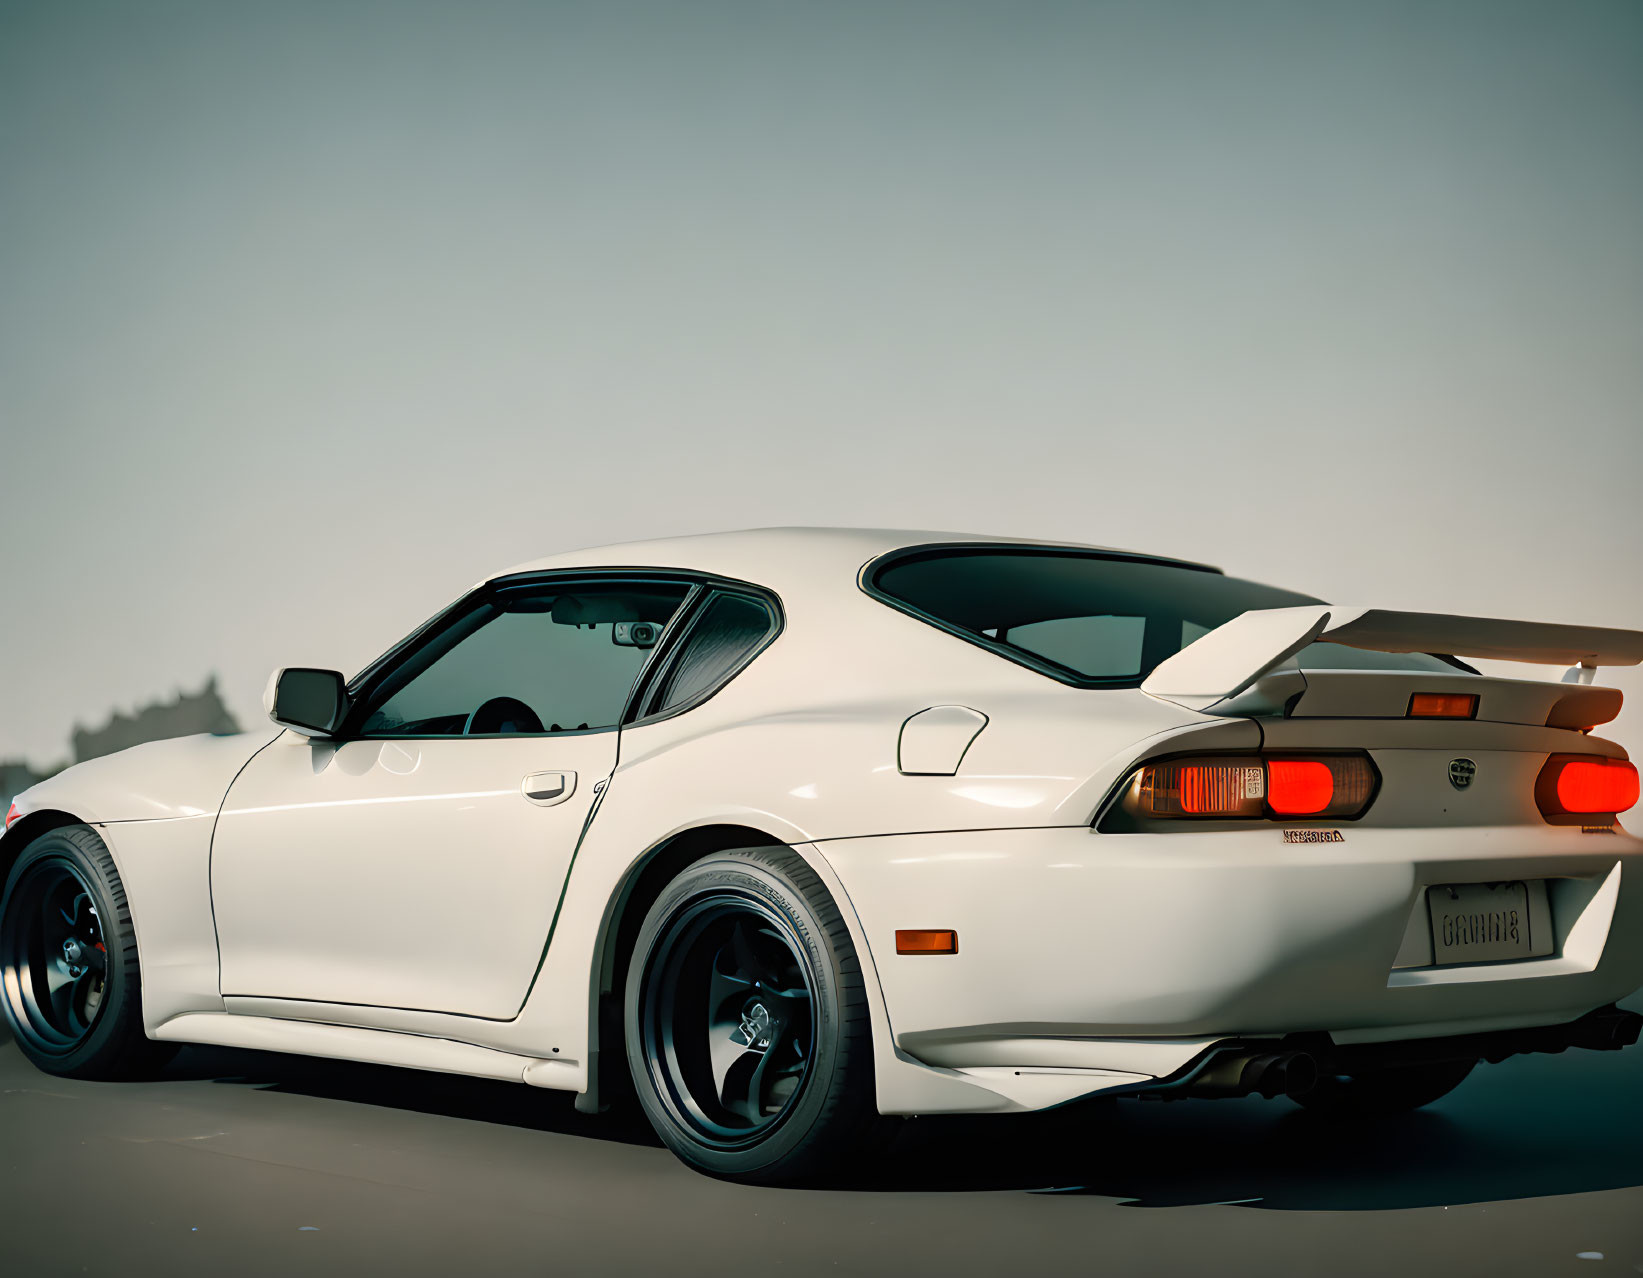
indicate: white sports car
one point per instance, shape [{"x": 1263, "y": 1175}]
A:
[{"x": 785, "y": 830}]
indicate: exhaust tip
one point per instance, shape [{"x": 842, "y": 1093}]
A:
[
  {"x": 1280, "y": 1074},
  {"x": 1300, "y": 1074}
]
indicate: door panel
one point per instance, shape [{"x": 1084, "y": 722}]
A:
[
  {"x": 412, "y": 873},
  {"x": 418, "y": 864}
]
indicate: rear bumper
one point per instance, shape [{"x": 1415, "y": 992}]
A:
[{"x": 1118, "y": 960}]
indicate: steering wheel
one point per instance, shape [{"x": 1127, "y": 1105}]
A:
[{"x": 502, "y": 714}]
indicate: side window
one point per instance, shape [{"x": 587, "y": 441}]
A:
[
  {"x": 1110, "y": 644},
  {"x": 526, "y": 660},
  {"x": 724, "y": 634}
]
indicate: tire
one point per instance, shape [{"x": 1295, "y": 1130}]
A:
[
  {"x": 70, "y": 984},
  {"x": 1384, "y": 1092},
  {"x": 746, "y": 1021}
]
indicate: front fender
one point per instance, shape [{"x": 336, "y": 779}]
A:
[{"x": 163, "y": 780}]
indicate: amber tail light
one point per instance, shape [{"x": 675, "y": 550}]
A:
[
  {"x": 1247, "y": 787},
  {"x": 1234, "y": 787},
  {"x": 1571, "y": 786},
  {"x": 1443, "y": 705}
]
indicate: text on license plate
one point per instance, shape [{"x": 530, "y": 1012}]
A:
[{"x": 1480, "y": 922}]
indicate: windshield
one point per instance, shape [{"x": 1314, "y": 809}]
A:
[{"x": 1091, "y": 619}]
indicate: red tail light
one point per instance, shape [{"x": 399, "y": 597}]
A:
[
  {"x": 1247, "y": 787},
  {"x": 1299, "y": 787},
  {"x": 1337, "y": 785},
  {"x": 11, "y": 815},
  {"x": 1575, "y": 785}
]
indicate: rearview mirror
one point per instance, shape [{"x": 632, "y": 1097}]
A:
[
  {"x": 312, "y": 702},
  {"x": 635, "y": 634}
]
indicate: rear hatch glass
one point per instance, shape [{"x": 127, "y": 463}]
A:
[{"x": 1091, "y": 619}]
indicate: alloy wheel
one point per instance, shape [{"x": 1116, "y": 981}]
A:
[
  {"x": 728, "y": 1019},
  {"x": 53, "y": 959}
]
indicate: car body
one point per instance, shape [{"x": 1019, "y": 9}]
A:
[{"x": 466, "y": 895}]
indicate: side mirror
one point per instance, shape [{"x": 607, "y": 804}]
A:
[{"x": 312, "y": 702}]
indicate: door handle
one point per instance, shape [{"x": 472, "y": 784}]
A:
[{"x": 548, "y": 788}]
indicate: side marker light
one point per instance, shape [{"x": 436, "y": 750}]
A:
[{"x": 926, "y": 941}]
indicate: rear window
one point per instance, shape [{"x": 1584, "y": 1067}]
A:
[{"x": 1089, "y": 619}]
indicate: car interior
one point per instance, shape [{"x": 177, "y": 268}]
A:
[{"x": 524, "y": 661}]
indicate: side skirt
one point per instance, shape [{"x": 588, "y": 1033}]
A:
[{"x": 374, "y": 1047}]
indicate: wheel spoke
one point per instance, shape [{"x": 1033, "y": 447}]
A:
[
  {"x": 750, "y": 949},
  {"x": 758, "y": 1086},
  {"x": 65, "y": 990},
  {"x": 51, "y": 930},
  {"x": 748, "y": 959},
  {"x": 726, "y": 991},
  {"x": 57, "y": 975},
  {"x": 73, "y": 919},
  {"x": 731, "y": 1084},
  {"x": 744, "y": 1087}
]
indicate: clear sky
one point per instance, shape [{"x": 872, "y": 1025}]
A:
[{"x": 313, "y": 314}]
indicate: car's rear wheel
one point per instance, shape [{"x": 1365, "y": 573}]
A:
[
  {"x": 69, "y": 981},
  {"x": 1385, "y": 1091},
  {"x": 746, "y": 1021}
]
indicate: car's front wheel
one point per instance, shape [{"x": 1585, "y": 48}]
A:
[
  {"x": 746, "y": 1020},
  {"x": 69, "y": 981}
]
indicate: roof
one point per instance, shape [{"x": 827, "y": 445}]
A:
[{"x": 780, "y": 557}]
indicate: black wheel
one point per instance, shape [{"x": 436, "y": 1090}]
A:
[
  {"x": 68, "y": 961},
  {"x": 746, "y": 1021},
  {"x": 1385, "y": 1091}
]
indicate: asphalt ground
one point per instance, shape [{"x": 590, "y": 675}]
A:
[{"x": 245, "y": 1163}]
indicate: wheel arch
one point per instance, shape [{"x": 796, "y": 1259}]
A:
[
  {"x": 26, "y": 829},
  {"x": 644, "y": 881}
]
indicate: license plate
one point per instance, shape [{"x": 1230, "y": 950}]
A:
[{"x": 1479, "y": 922}]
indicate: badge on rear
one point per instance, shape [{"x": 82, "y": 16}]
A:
[
  {"x": 1314, "y": 836},
  {"x": 1461, "y": 772}
]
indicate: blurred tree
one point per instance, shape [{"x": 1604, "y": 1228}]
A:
[{"x": 189, "y": 713}]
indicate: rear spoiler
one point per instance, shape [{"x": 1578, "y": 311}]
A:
[{"x": 1229, "y": 660}]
